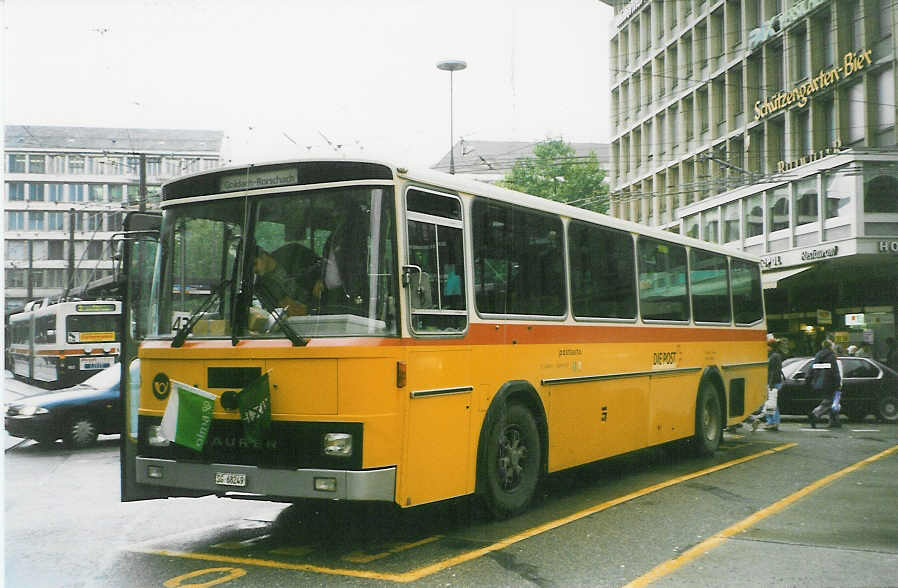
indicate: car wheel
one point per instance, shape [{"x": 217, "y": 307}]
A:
[
  {"x": 511, "y": 461},
  {"x": 81, "y": 431},
  {"x": 888, "y": 408},
  {"x": 708, "y": 420}
]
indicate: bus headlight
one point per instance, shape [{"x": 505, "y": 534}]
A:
[
  {"x": 155, "y": 439},
  {"x": 337, "y": 444}
]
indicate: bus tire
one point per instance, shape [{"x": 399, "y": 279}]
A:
[
  {"x": 81, "y": 431},
  {"x": 511, "y": 465},
  {"x": 708, "y": 420}
]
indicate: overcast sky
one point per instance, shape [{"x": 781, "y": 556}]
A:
[{"x": 277, "y": 75}]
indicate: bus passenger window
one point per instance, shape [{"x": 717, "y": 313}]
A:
[
  {"x": 748, "y": 306},
  {"x": 518, "y": 261},
  {"x": 603, "y": 272},
  {"x": 662, "y": 281},
  {"x": 709, "y": 287}
]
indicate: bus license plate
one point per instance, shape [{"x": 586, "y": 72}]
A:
[
  {"x": 96, "y": 363},
  {"x": 230, "y": 479}
]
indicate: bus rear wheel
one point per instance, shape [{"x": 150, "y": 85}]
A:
[
  {"x": 510, "y": 464},
  {"x": 708, "y": 420}
]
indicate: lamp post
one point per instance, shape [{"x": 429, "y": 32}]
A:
[{"x": 452, "y": 66}]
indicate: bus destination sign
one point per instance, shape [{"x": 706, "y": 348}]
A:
[{"x": 253, "y": 180}]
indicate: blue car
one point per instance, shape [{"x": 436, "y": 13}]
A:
[{"x": 77, "y": 415}]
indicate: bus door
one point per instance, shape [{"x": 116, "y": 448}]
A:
[
  {"x": 138, "y": 254},
  {"x": 438, "y": 456}
]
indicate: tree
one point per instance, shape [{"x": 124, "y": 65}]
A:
[{"x": 556, "y": 172}]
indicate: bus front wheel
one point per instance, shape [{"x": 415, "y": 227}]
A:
[
  {"x": 708, "y": 420},
  {"x": 511, "y": 461}
]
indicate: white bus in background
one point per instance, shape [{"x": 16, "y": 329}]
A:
[{"x": 62, "y": 344}]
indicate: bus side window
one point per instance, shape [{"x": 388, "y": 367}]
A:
[{"x": 436, "y": 287}]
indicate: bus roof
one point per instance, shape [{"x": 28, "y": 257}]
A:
[{"x": 200, "y": 183}]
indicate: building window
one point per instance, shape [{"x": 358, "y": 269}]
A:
[
  {"x": 36, "y": 220},
  {"x": 154, "y": 166},
  {"x": 95, "y": 221},
  {"x": 76, "y": 164},
  {"x": 16, "y": 250},
  {"x": 801, "y": 54},
  {"x": 829, "y": 121},
  {"x": 95, "y": 192},
  {"x": 778, "y": 209},
  {"x": 837, "y": 188},
  {"x": 55, "y": 221},
  {"x": 827, "y": 33},
  {"x": 885, "y": 16},
  {"x": 731, "y": 222},
  {"x": 114, "y": 221},
  {"x": 36, "y": 192},
  {"x": 56, "y": 250},
  {"x": 56, "y": 164},
  {"x": 95, "y": 250},
  {"x": 115, "y": 192},
  {"x": 803, "y": 122},
  {"x": 133, "y": 163},
  {"x": 711, "y": 225},
  {"x": 15, "y": 278},
  {"x": 881, "y": 194},
  {"x": 806, "y": 202},
  {"x": 55, "y": 192},
  {"x": 854, "y": 109},
  {"x": 16, "y": 191},
  {"x": 885, "y": 109},
  {"x": 15, "y": 220},
  {"x": 15, "y": 163},
  {"x": 690, "y": 226},
  {"x": 36, "y": 164},
  {"x": 133, "y": 194},
  {"x": 754, "y": 216},
  {"x": 76, "y": 193},
  {"x": 78, "y": 219}
]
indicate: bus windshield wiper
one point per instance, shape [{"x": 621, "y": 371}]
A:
[
  {"x": 187, "y": 327},
  {"x": 278, "y": 314}
]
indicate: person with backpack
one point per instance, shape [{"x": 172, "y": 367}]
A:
[{"x": 826, "y": 380}]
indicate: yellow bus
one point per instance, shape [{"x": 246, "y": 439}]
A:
[{"x": 424, "y": 337}]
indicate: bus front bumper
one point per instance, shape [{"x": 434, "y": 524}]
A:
[{"x": 236, "y": 480}]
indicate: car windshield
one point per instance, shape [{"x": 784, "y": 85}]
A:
[
  {"x": 792, "y": 365},
  {"x": 105, "y": 378},
  {"x": 314, "y": 263}
]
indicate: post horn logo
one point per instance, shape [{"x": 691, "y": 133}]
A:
[{"x": 161, "y": 386}]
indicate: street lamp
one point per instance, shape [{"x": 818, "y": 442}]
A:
[{"x": 452, "y": 66}]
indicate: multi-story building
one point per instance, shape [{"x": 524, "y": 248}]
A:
[
  {"x": 67, "y": 189},
  {"x": 769, "y": 126}
]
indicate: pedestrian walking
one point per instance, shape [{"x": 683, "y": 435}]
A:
[
  {"x": 775, "y": 381},
  {"x": 891, "y": 353},
  {"x": 826, "y": 381}
]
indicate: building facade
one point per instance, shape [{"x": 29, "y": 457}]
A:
[
  {"x": 66, "y": 190},
  {"x": 769, "y": 126}
]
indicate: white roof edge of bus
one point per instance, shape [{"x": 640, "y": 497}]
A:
[
  {"x": 469, "y": 186},
  {"x": 474, "y": 187}
]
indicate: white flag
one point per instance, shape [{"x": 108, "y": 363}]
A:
[{"x": 188, "y": 416}]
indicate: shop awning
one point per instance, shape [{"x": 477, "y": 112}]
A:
[{"x": 769, "y": 279}]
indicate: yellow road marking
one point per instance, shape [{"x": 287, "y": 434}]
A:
[
  {"x": 422, "y": 572},
  {"x": 712, "y": 542},
  {"x": 297, "y": 551},
  {"x": 363, "y": 558},
  {"x": 233, "y": 574}
]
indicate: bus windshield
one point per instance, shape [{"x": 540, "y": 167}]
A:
[
  {"x": 92, "y": 328},
  {"x": 314, "y": 263}
]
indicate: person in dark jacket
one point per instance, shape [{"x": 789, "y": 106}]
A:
[
  {"x": 774, "y": 382},
  {"x": 825, "y": 379}
]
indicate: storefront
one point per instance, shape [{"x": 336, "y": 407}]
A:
[{"x": 826, "y": 230}]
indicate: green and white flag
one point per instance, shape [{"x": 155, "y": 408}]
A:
[
  {"x": 188, "y": 416},
  {"x": 255, "y": 409}
]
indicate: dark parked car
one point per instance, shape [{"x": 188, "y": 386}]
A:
[
  {"x": 868, "y": 387},
  {"x": 77, "y": 414}
]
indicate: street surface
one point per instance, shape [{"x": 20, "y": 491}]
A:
[{"x": 798, "y": 507}]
